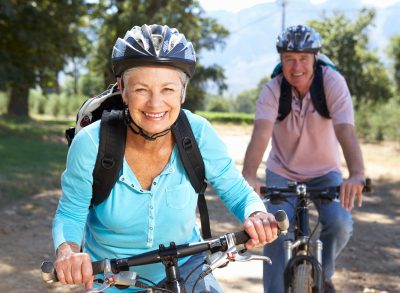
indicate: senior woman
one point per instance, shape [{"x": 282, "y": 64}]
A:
[{"x": 153, "y": 201}]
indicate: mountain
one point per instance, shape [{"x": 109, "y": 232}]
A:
[{"x": 250, "y": 54}]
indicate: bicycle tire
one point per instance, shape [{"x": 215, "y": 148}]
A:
[{"x": 302, "y": 279}]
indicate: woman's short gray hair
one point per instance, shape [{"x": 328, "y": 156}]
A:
[{"x": 182, "y": 76}]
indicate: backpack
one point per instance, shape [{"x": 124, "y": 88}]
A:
[
  {"x": 317, "y": 92},
  {"x": 108, "y": 107}
]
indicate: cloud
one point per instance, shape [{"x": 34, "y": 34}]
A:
[{"x": 380, "y": 3}]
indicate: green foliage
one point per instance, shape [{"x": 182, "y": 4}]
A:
[
  {"x": 91, "y": 85},
  {"x": 245, "y": 101},
  {"x": 186, "y": 15},
  {"x": 37, "y": 37},
  {"x": 3, "y": 103},
  {"x": 33, "y": 156},
  {"x": 346, "y": 43},
  {"x": 394, "y": 52},
  {"x": 55, "y": 105},
  {"x": 379, "y": 121},
  {"x": 235, "y": 118},
  {"x": 217, "y": 104}
]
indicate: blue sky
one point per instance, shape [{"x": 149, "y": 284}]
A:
[
  {"x": 250, "y": 54},
  {"x": 236, "y": 5}
]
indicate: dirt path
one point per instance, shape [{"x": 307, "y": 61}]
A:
[{"x": 370, "y": 263}]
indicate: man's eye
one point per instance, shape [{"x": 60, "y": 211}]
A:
[{"x": 140, "y": 91}]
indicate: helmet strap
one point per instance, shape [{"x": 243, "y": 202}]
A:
[{"x": 129, "y": 121}]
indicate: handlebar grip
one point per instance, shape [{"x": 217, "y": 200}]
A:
[
  {"x": 98, "y": 267},
  {"x": 241, "y": 237},
  {"x": 48, "y": 272},
  {"x": 367, "y": 185}
]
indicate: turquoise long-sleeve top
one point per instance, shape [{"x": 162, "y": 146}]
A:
[{"x": 133, "y": 220}]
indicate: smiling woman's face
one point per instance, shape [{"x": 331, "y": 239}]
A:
[
  {"x": 298, "y": 69},
  {"x": 153, "y": 95}
]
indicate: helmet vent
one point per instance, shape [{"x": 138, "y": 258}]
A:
[
  {"x": 152, "y": 45},
  {"x": 157, "y": 42}
]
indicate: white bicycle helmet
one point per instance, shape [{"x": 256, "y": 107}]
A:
[
  {"x": 153, "y": 45},
  {"x": 299, "y": 38}
]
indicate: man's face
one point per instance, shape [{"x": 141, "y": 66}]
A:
[{"x": 298, "y": 69}]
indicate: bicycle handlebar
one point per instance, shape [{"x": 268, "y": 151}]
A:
[
  {"x": 323, "y": 192},
  {"x": 99, "y": 267},
  {"x": 214, "y": 245}
]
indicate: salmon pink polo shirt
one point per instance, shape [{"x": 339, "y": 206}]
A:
[{"x": 304, "y": 144}]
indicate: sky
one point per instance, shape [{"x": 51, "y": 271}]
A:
[
  {"x": 237, "y": 5},
  {"x": 245, "y": 67}
]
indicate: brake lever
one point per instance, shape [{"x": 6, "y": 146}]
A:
[
  {"x": 242, "y": 257},
  {"x": 124, "y": 278}
]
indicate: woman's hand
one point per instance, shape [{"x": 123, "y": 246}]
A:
[
  {"x": 262, "y": 229},
  {"x": 72, "y": 266}
]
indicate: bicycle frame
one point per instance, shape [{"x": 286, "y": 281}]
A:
[
  {"x": 223, "y": 250},
  {"x": 298, "y": 251}
]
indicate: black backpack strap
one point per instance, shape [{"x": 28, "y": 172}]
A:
[
  {"x": 318, "y": 93},
  {"x": 285, "y": 100},
  {"x": 194, "y": 166},
  {"x": 110, "y": 155}
]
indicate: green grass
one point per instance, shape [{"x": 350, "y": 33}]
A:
[
  {"x": 226, "y": 117},
  {"x": 33, "y": 154}
]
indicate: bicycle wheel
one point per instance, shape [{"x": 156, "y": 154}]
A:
[{"x": 302, "y": 279}]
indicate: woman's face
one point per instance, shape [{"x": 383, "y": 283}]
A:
[
  {"x": 298, "y": 69},
  {"x": 153, "y": 95}
]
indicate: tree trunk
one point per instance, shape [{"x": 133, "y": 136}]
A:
[{"x": 18, "y": 104}]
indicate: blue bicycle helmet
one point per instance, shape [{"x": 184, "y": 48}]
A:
[
  {"x": 299, "y": 38},
  {"x": 153, "y": 45}
]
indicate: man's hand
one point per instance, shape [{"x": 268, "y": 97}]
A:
[
  {"x": 349, "y": 190},
  {"x": 255, "y": 183}
]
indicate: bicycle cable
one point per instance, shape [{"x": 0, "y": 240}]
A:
[
  {"x": 197, "y": 281},
  {"x": 188, "y": 276},
  {"x": 147, "y": 280}
]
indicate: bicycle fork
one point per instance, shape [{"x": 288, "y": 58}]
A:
[
  {"x": 303, "y": 248},
  {"x": 315, "y": 248}
]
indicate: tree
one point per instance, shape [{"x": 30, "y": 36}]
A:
[
  {"x": 246, "y": 100},
  {"x": 36, "y": 39},
  {"x": 186, "y": 15},
  {"x": 394, "y": 52},
  {"x": 346, "y": 43},
  {"x": 91, "y": 85},
  {"x": 218, "y": 104}
]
